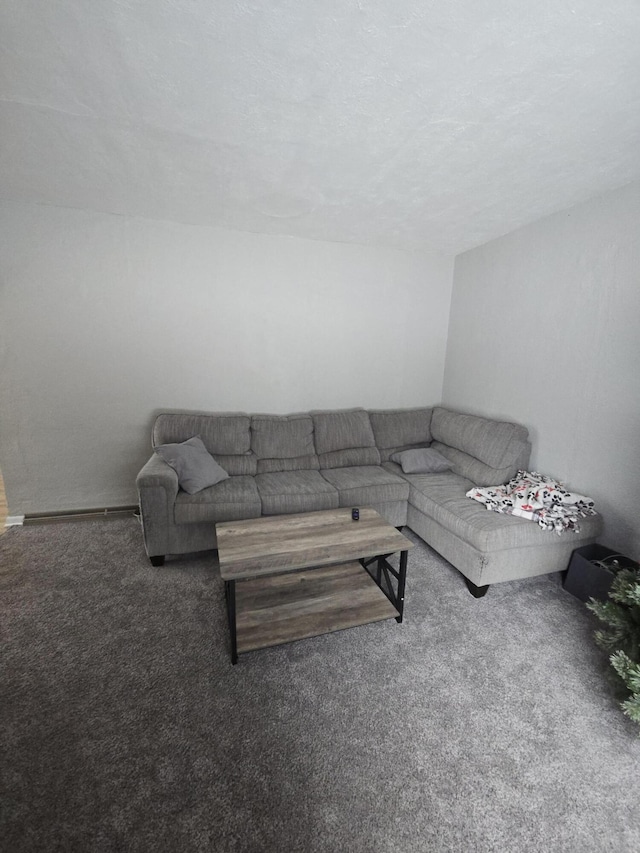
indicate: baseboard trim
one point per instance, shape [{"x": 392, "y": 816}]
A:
[
  {"x": 14, "y": 521},
  {"x": 80, "y": 514}
]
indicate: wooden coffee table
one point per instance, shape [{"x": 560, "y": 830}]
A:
[{"x": 288, "y": 577}]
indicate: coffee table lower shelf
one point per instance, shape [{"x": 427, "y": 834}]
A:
[{"x": 281, "y": 608}]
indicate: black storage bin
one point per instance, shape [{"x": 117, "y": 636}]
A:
[{"x": 592, "y": 570}]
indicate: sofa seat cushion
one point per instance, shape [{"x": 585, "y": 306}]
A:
[
  {"x": 443, "y": 498},
  {"x": 430, "y": 491},
  {"x": 427, "y": 490},
  {"x": 295, "y": 491},
  {"x": 365, "y": 485},
  {"x": 492, "y": 531},
  {"x": 230, "y": 500}
]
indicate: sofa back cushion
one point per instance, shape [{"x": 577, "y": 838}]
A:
[
  {"x": 485, "y": 451},
  {"x": 396, "y": 430},
  {"x": 344, "y": 438},
  {"x": 283, "y": 443},
  {"x": 227, "y": 437}
]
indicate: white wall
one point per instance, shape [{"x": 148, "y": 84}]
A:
[
  {"x": 545, "y": 330},
  {"x": 106, "y": 319}
]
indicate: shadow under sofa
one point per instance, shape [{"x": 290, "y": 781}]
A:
[{"x": 326, "y": 459}]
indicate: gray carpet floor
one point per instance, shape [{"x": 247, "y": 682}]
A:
[{"x": 476, "y": 725}]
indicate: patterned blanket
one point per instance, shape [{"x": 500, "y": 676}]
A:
[{"x": 537, "y": 498}]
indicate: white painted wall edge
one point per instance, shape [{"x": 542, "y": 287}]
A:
[{"x": 14, "y": 521}]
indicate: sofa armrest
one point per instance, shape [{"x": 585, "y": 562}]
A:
[
  {"x": 156, "y": 472},
  {"x": 157, "y": 485}
]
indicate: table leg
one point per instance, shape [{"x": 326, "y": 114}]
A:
[
  {"x": 230, "y": 593},
  {"x": 401, "y": 584}
]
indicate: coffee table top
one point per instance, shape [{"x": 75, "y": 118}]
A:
[{"x": 284, "y": 543}]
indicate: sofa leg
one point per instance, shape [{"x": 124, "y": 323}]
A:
[
  {"x": 476, "y": 591},
  {"x": 157, "y": 561}
]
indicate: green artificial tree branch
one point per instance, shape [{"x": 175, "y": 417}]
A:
[
  {"x": 631, "y": 708},
  {"x": 621, "y": 616},
  {"x": 625, "y": 588}
]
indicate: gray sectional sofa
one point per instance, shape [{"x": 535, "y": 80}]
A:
[{"x": 326, "y": 459}]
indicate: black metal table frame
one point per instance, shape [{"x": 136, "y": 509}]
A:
[{"x": 383, "y": 569}]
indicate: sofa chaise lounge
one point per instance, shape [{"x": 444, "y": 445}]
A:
[{"x": 326, "y": 459}]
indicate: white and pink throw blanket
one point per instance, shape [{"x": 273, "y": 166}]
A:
[{"x": 537, "y": 498}]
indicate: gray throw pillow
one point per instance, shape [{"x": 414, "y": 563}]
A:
[
  {"x": 422, "y": 460},
  {"x": 195, "y": 466}
]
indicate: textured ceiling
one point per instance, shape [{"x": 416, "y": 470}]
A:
[{"x": 423, "y": 125}]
